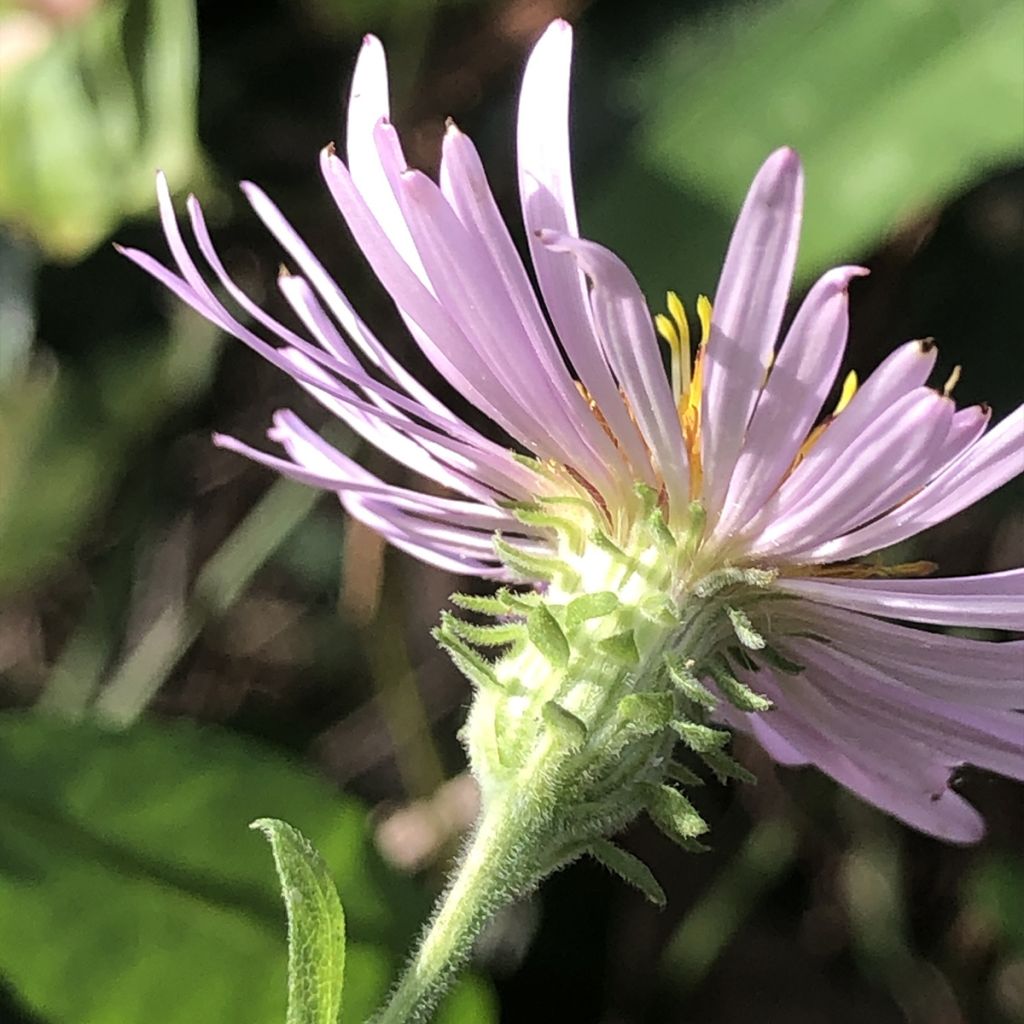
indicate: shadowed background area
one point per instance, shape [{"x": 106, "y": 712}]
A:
[{"x": 187, "y": 644}]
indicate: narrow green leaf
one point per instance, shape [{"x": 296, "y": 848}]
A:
[
  {"x": 547, "y": 635},
  {"x": 659, "y": 608},
  {"x": 493, "y": 635},
  {"x": 741, "y": 657},
  {"x": 535, "y": 515},
  {"x": 528, "y": 566},
  {"x": 732, "y": 576},
  {"x": 738, "y": 694},
  {"x": 655, "y": 520},
  {"x": 688, "y": 684},
  {"x": 726, "y": 767},
  {"x": 778, "y": 660},
  {"x": 589, "y": 606},
  {"x": 630, "y": 869},
  {"x": 674, "y": 814},
  {"x": 744, "y": 629},
  {"x": 648, "y": 497},
  {"x": 482, "y": 604},
  {"x": 517, "y": 601},
  {"x": 694, "y": 528},
  {"x": 684, "y": 776},
  {"x": 472, "y": 664},
  {"x": 316, "y": 926},
  {"x": 700, "y": 738}
]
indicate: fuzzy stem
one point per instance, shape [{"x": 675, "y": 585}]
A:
[{"x": 489, "y": 875}]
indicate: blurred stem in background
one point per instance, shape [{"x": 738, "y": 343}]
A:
[{"x": 120, "y": 700}]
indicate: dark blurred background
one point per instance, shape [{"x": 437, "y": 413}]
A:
[{"x": 187, "y": 644}]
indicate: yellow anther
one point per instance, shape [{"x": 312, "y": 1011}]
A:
[
  {"x": 704, "y": 315},
  {"x": 667, "y": 330},
  {"x": 849, "y": 390},
  {"x": 675, "y": 307},
  {"x": 687, "y": 374},
  {"x": 954, "y": 377}
]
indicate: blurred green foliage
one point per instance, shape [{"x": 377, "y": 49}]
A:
[
  {"x": 891, "y": 107},
  {"x": 133, "y": 891},
  {"x": 84, "y": 122}
]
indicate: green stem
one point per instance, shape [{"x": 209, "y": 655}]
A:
[{"x": 488, "y": 877}]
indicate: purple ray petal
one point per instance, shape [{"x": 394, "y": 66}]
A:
[
  {"x": 747, "y": 313},
  {"x": 791, "y": 400},
  {"x": 902, "y": 371},
  {"x": 471, "y": 290},
  {"x": 892, "y": 457},
  {"x": 981, "y": 673},
  {"x": 901, "y": 778},
  {"x": 454, "y": 356},
  {"x": 368, "y": 106},
  {"x": 548, "y": 202},
  {"x": 994, "y": 459},
  {"x": 464, "y": 183},
  {"x": 989, "y": 739},
  {"x": 627, "y": 335},
  {"x": 990, "y": 601}
]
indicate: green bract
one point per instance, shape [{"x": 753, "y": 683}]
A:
[{"x": 578, "y": 720}]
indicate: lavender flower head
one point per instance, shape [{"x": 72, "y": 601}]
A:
[{"x": 701, "y": 533}]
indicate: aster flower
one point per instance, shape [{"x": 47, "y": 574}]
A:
[{"x": 697, "y": 538}]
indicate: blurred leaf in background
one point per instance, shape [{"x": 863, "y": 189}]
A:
[
  {"x": 102, "y": 94},
  {"x": 132, "y": 890},
  {"x": 68, "y": 432},
  {"x": 891, "y": 106}
]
